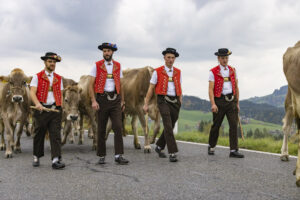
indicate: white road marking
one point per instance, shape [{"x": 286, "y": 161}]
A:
[{"x": 219, "y": 146}]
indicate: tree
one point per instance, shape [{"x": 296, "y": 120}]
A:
[
  {"x": 258, "y": 133},
  {"x": 201, "y": 126},
  {"x": 250, "y": 133},
  {"x": 265, "y": 132}
]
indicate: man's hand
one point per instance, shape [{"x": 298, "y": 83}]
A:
[
  {"x": 145, "y": 108},
  {"x": 39, "y": 106},
  {"x": 214, "y": 108},
  {"x": 95, "y": 105}
]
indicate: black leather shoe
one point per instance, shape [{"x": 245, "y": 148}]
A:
[
  {"x": 101, "y": 161},
  {"x": 36, "y": 163},
  {"x": 210, "y": 151},
  {"x": 236, "y": 154},
  {"x": 58, "y": 165},
  {"x": 121, "y": 160},
  {"x": 173, "y": 158},
  {"x": 160, "y": 153}
]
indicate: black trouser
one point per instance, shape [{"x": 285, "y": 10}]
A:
[
  {"x": 109, "y": 109},
  {"x": 43, "y": 122},
  {"x": 169, "y": 113},
  {"x": 230, "y": 110}
]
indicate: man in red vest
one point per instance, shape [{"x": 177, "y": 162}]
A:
[
  {"x": 108, "y": 101},
  {"x": 46, "y": 92},
  {"x": 224, "y": 98},
  {"x": 166, "y": 82}
]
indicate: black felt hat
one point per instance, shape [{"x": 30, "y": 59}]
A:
[
  {"x": 223, "y": 52},
  {"x": 170, "y": 50},
  {"x": 107, "y": 45},
  {"x": 51, "y": 55}
]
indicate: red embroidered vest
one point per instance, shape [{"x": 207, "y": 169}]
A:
[
  {"x": 101, "y": 76},
  {"x": 44, "y": 86},
  {"x": 163, "y": 79},
  {"x": 219, "y": 80}
]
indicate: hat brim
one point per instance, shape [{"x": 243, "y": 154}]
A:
[
  {"x": 101, "y": 47},
  {"x": 174, "y": 53},
  {"x": 47, "y": 57},
  {"x": 218, "y": 54}
]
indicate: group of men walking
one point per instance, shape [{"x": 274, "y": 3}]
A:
[{"x": 107, "y": 98}]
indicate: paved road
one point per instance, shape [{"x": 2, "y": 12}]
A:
[{"x": 196, "y": 176}]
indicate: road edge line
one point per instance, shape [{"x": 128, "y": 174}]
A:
[{"x": 224, "y": 147}]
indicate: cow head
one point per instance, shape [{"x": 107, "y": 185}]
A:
[
  {"x": 71, "y": 96},
  {"x": 17, "y": 82}
]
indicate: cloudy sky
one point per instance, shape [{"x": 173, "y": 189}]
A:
[{"x": 257, "y": 32}]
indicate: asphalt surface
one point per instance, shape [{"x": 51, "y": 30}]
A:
[{"x": 195, "y": 176}]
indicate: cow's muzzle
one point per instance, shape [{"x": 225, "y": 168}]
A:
[
  {"x": 72, "y": 117},
  {"x": 17, "y": 98}
]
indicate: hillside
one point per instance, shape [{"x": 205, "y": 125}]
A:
[
  {"x": 189, "y": 119},
  {"x": 261, "y": 112},
  {"x": 274, "y": 99}
]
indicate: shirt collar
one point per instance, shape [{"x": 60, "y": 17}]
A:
[
  {"x": 106, "y": 63},
  {"x": 49, "y": 74},
  {"x": 167, "y": 69},
  {"x": 223, "y": 67}
]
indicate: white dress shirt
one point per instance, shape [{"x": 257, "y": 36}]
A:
[
  {"x": 109, "y": 83},
  {"x": 227, "y": 86},
  {"x": 171, "y": 86},
  {"x": 50, "y": 97}
]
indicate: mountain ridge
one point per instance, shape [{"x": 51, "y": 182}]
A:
[{"x": 275, "y": 99}]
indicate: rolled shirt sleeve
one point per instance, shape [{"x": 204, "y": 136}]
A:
[
  {"x": 121, "y": 73},
  {"x": 180, "y": 79},
  {"x": 93, "y": 72},
  {"x": 211, "y": 77},
  {"x": 34, "y": 81},
  {"x": 236, "y": 77},
  {"x": 153, "y": 79}
]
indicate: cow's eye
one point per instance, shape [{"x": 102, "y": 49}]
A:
[
  {"x": 24, "y": 83},
  {"x": 66, "y": 100}
]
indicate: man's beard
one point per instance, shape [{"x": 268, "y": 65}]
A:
[
  {"x": 49, "y": 69},
  {"x": 107, "y": 58}
]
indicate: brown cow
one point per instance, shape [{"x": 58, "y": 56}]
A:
[
  {"x": 71, "y": 96},
  {"x": 291, "y": 68},
  {"x": 75, "y": 122},
  {"x": 85, "y": 109},
  {"x": 135, "y": 83},
  {"x": 68, "y": 82},
  {"x": 14, "y": 107}
]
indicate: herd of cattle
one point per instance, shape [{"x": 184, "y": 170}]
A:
[
  {"x": 15, "y": 109},
  {"x": 15, "y": 105}
]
